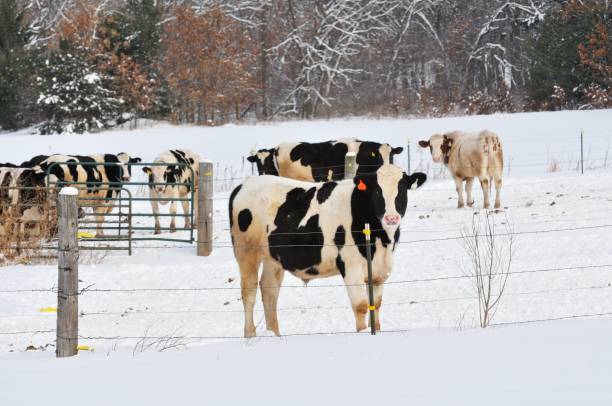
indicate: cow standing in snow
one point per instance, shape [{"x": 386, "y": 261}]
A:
[
  {"x": 171, "y": 179},
  {"x": 468, "y": 156},
  {"x": 322, "y": 161},
  {"x": 99, "y": 178},
  {"x": 24, "y": 196},
  {"x": 314, "y": 230}
]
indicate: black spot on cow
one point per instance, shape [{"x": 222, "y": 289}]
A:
[
  {"x": 244, "y": 219},
  {"x": 368, "y": 206},
  {"x": 312, "y": 271},
  {"x": 231, "y": 204},
  {"x": 340, "y": 240},
  {"x": 325, "y": 191},
  {"x": 113, "y": 169},
  {"x": 396, "y": 238},
  {"x": 296, "y": 246},
  {"x": 369, "y": 157},
  {"x": 89, "y": 166},
  {"x": 322, "y": 157},
  {"x": 37, "y": 160},
  {"x": 33, "y": 192}
]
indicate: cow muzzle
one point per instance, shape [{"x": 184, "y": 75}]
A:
[
  {"x": 160, "y": 189},
  {"x": 392, "y": 219}
]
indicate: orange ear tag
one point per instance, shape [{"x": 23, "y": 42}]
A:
[{"x": 361, "y": 186}]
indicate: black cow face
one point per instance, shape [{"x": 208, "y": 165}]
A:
[
  {"x": 264, "y": 159},
  {"x": 381, "y": 199}
]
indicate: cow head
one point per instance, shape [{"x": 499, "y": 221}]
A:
[
  {"x": 388, "y": 152},
  {"x": 126, "y": 165},
  {"x": 162, "y": 176},
  {"x": 383, "y": 195},
  {"x": 264, "y": 159},
  {"x": 439, "y": 145}
]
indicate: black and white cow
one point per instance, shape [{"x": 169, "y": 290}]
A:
[
  {"x": 323, "y": 161},
  {"x": 98, "y": 178},
  {"x": 264, "y": 159},
  {"x": 171, "y": 179},
  {"x": 24, "y": 197},
  {"x": 314, "y": 230}
]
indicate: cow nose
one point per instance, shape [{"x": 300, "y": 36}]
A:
[
  {"x": 160, "y": 188},
  {"x": 392, "y": 219}
]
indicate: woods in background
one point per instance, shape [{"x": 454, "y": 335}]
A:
[{"x": 83, "y": 65}]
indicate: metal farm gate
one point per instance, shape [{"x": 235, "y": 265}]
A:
[{"x": 111, "y": 213}]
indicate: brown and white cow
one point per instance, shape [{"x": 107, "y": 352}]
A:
[
  {"x": 322, "y": 161},
  {"x": 170, "y": 180},
  {"x": 315, "y": 230},
  {"x": 468, "y": 156}
]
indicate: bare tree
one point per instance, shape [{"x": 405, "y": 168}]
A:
[{"x": 490, "y": 258}]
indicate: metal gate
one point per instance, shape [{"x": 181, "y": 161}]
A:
[{"x": 101, "y": 227}]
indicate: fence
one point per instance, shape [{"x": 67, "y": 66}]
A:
[{"x": 67, "y": 328}]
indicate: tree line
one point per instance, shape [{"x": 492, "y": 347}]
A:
[{"x": 83, "y": 65}]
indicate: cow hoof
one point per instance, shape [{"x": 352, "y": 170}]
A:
[
  {"x": 249, "y": 333},
  {"x": 157, "y": 231},
  {"x": 471, "y": 204},
  {"x": 460, "y": 206},
  {"x": 497, "y": 205}
]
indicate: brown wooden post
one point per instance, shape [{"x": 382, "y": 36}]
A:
[
  {"x": 350, "y": 165},
  {"x": 205, "y": 209},
  {"x": 68, "y": 274}
]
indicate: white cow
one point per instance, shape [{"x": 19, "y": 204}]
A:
[
  {"x": 171, "y": 179},
  {"x": 314, "y": 230},
  {"x": 468, "y": 156}
]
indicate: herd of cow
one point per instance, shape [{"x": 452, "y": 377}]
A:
[{"x": 300, "y": 216}]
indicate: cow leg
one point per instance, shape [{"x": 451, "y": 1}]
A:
[
  {"x": 249, "y": 265},
  {"x": 186, "y": 212},
  {"x": 498, "y": 185},
  {"x": 173, "y": 213},
  {"x": 459, "y": 189},
  {"x": 155, "y": 207},
  {"x": 99, "y": 215},
  {"x": 270, "y": 282},
  {"x": 378, "y": 292},
  {"x": 468, "y": 191},
  {"x": 485, "y": 185},
  {"x": 358, "y": 296}
]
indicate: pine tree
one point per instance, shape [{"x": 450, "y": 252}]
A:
[
  {"x": 13, "y": 63},
  {"x": 74, "y": 97}
]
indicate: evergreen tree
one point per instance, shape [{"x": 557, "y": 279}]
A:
[
  {"x": 74, "y": 97},
  {"x": 555, "y": 61},
  {"x": 13, "y": 63}
]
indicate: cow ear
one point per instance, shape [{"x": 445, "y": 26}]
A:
[
  {"x": 146, "y": 170},
  {"x": 424, "y": 144},
  {"x": 135, "y": 160},
  {"x": 415, "y": 180},
  {"x": 252, "y": 158},
  {"x": 397, "y": 150}
]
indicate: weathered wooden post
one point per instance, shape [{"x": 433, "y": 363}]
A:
[
  {"x": 205, "y": 209},
  {"x": 68, "y": 274},
  {"x": 350, "y": 165}
]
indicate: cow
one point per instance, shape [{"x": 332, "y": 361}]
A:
[
  {"x": 323, "y": 161},
  {"x": 264, "y": 159},
  {"x": 468, "y": 156},
  {"x": 171, "y": 179},
  {"x": 99, "y": 178},
  {"x": 24, "y": 197},
  {"x": 315, "y": 230}
]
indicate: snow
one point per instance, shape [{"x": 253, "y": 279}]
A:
[
  {"x": 69, "y": 191},
  {"x": 430, "y": 351}
]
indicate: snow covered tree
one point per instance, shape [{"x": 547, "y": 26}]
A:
[{"x": 74, "y": 97}]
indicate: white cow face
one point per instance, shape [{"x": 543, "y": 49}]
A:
[
  {"x": 436, "y": 146},
  {"x": 162, "y": 176},
  {"x": 384, "y": 195},
  {"x": 126, "y": 162},
  {"x": 388, "y": 152}
]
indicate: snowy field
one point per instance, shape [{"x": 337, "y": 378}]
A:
[{"x": 430, "y": 351}]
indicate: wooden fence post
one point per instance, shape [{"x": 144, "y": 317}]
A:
[
  {"x": 68, "y": 274},
  {"x": 205, "y": 209},
  {"x": 350, "y": 165}
]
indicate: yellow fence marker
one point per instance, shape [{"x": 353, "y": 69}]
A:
[
  {"x": 85, "y": 348},
  {"x": 84, "y": 234},
  {"x": 48, "y": 310}
]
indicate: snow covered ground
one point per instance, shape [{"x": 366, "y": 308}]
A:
[{"x": 430, "y": 354}]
